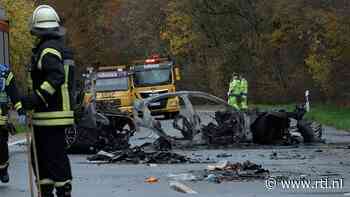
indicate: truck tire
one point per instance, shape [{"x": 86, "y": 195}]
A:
[{"x": 306, "y": 131}]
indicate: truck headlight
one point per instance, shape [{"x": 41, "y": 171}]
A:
[{"x": 173, "y": 102}]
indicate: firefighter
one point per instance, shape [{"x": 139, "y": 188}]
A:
[
  {"x": 7, "y": 89},
  {"x": 234, "y": 92},
  {"x": 51, "y": 101},
  {"x": 244, "y": 93}
]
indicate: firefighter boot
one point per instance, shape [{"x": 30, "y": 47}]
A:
[
  {"x": 47, "y": 190},
  {"x": 4, "y": 176},
  {"x": 64, "y": 191}
]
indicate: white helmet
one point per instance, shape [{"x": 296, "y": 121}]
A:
[{"x": 45, "y": 17}]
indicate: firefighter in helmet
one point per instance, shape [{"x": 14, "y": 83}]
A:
[
  {"x": 7, "y": 90},
  {"x": 51, "y": 100}
]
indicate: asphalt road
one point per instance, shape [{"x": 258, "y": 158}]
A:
[{"x": 316, "y": 162}]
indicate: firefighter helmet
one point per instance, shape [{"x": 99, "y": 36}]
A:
[{"x": 45, "y": 17}]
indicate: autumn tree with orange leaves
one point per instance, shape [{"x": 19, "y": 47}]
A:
[{"x": 282, "y": 47}]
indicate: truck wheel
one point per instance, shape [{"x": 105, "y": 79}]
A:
[{"x": 306, "y": 131}]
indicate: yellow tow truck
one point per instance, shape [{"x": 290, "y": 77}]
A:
[
  {"x": 113, "y": 88},
  {"x": 155, "y": 76}
]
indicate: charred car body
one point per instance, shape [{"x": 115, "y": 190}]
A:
[
  {"x": 96, "y": 130},
  {"x": 205, "y": 119},
  {"x": 103, "y": 118}
]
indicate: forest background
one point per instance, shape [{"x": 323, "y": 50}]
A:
[{"x": 283, "y": 47}]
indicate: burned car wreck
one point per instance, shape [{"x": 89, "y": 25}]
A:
[
  {"x": 205, "y": 119},
  {"x": 283, "y": 127},
  {"x": 99, "y": 129}
]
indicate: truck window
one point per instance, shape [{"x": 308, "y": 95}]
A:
[
  {"x": 112, "y": 84},
  {"x": 155, "y": 76},
  {"x": 4, "y": 53}
]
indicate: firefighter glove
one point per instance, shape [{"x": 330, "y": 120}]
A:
[{"x": 30, "y": 101}]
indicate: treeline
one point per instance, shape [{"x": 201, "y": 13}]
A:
[
  {"x": 281, "y": 47},
  {"x": 18, "y": 13}
]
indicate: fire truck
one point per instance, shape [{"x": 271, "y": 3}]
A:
[
  {"x": 4, "y": 38},
  {"x": 114, "y": 88},
  {"x": 155, "y": 76}
]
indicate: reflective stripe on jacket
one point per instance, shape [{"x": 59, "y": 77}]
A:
[
  {"x": 11, "y": 91},
  {"x": 51, "y": 84}
]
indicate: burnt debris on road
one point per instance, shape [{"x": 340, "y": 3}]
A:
[
  {"x": 225, "y": 171},
  {"x": 138, "y": 155}
]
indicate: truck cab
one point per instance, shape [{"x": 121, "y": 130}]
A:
[
  {"x": 4, "y": 38},
  {"x": 113, "y": 88},
  {"x": 156, "y": 76},
  {"x": 4, "y": 47}
]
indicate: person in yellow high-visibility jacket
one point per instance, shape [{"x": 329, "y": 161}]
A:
[
  {"x": 238, "y": 92},
  {"x": 234, "y": 92}
]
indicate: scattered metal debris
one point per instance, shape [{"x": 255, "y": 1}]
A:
[
  {"x": 182, "y": 177},
  {"x": 228, "y": 129},
  {"x": 223, "y": 155},
  {"x": 180, "y": 187},
  {"x": 138, "y": 155},
  {"x": 227, "y": 171},
  {"x": 212, "y": 178},
  {"x": 152, "y": 165},
  {"x": 285, "y": 156}
]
